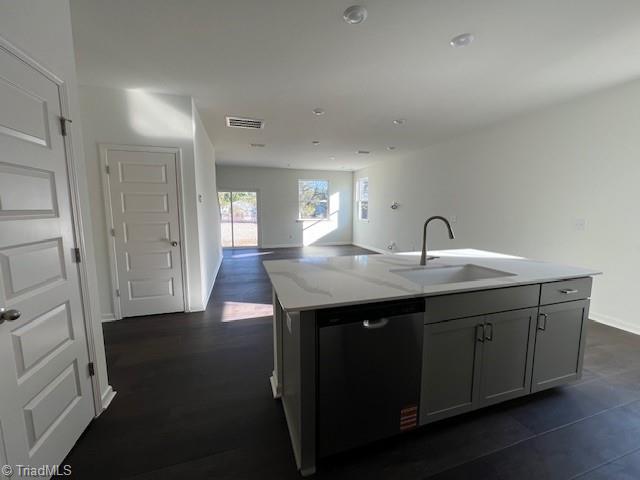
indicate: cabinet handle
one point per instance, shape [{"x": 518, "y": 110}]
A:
[
  {"x": 489, "y": 337},
  {"x": 379, "y": 323},
  {"x": 568, "y": 291},
  {"x": 542, "y": 321},
  {"x": 480, "y": 333}
]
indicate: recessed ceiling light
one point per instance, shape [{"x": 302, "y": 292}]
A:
[
  {"x": 332, "y": 158},
  {"x": 462, "y": 40},
  {"x": 391, "y": 147},
  {"x": 355, "y": 14},
  {"x": 364, "y": 152},
  {"x": 315, "y": 143},
  {"x": 399, "y": 121},
  {"x": 260, "y": 145},
  {"x": 318, "y": 111}
]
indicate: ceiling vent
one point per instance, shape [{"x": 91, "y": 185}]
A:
[
  {"x": 364, "y": 152},
  {"x": 244, "y": 122}
]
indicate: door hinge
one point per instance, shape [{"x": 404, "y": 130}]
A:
[
  {"x": 117, "y": 292},
  {"x": 107, "y": 169},
  {"x": 92, "y": 369},
  {"x": 63, "y": 125},
  {"x": 75, "y": 253},
  {"x": 113, "y": 232}
]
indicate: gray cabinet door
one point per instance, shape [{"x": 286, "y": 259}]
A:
[
  {"x": 560, "y": 340},
  {"x": 450, "y": 362},
  {"x": 507, "y": 355}
]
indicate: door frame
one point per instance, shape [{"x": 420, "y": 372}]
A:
[
  {"x": 258, "y": 213},
  {"x": 76, "y": 219},
  {"x": 103, "y": 148}
]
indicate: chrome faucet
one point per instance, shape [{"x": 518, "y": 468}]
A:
[{"x": 423, "y": 257}]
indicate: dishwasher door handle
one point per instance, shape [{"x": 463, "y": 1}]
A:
[{"x": 378, "y": 323}]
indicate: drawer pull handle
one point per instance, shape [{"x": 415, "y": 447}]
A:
[
  {"x": 568, "y": 291},
  {"x": 542, "y": 322},
  {"x": 379, "y": 323},
  {"x": 480, "y": 333},
  {"x": 489, "y": 336}
]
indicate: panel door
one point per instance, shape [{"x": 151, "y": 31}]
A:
[
  {"x": 560, "y": 340},
  {"x": 45, "y": 389},
  {"x": 146, "y": 226},
  {"x": 451, "y": 362},
  {"x": 507, "y": 355}
]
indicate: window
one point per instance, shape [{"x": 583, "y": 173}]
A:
[
  {"x": 363, "y": 198},
  {"x": 313, "y": 199}
]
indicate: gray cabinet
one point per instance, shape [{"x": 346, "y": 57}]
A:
[
  {"x": 559, "y": 346},
  {"x": 507, "y": 355},
  {"x": 473, "y": 362},
  {"x": 450, "y": 360}
]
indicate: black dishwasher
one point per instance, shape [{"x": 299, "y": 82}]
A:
[{"x": 369, "y": 371}]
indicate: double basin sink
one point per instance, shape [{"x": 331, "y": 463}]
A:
[{"x": 441, "y": 274}]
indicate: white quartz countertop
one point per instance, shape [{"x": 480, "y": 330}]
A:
[{"x": 320, "y": 282}]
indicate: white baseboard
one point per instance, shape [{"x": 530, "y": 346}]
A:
[
  {"x": 297, "y": 245},
  {"x": 215, "y": 275},
  {"x": 108, "y": 317},
  {"x": 107, "y": 396},
  {"x": 375, "y": 249},
  {"x": 615, "y": 322}
]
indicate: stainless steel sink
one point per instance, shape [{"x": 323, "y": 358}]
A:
[{"x": 434, "y": 275}]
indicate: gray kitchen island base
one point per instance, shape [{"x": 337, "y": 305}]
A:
[{"x": 478, "y": 348}]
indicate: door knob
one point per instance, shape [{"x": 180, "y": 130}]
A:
[
  {"x": 174, "y": 243},
  {"x": 9, "y": 315}
]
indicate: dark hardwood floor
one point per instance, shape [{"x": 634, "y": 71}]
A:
[{"x": 194, "y": 402}]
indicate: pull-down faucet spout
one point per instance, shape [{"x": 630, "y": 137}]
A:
[{"x": 423, "y": 257}]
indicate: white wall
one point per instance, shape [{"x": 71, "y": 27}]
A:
[
  {"x": 208, "y": 209},
  {"x": 132, "y": 117},
  {"x": 43, "y": 31},
  {"x": 278, "y": 209},
  {"x": 522, "y": 187}
]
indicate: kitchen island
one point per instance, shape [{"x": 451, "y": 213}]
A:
[{"x": 370, "y": 346}]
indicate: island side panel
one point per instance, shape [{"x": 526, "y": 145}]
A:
[
  {"x": 299, "y": 386},
  {"x": 276, "y": 376}
]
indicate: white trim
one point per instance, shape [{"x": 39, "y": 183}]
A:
[
  {"x": 213, "y": 284},
  {"x": 108, "y": 317},
  {"x": 103, "y": 149},
  {"x": 375, "y": 249},
  {"x": 107, "y": 396},
  {"x": 615, "y": 322},
  {"x": 297, "y": 245},
  {"x": 273, "y": 381},
  {"x": 76, "y": 210}
]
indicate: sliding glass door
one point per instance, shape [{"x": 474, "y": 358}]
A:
[{"x": 239, "y": 214}]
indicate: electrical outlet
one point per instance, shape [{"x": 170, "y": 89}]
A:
[{"x": 580, "y": 224}]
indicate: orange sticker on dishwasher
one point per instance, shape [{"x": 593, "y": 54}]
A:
[{"x": 408, "y": 417}]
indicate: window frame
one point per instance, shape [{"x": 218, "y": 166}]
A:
[
  {"x": 359, "y": 201},
  {"x": 328, "y": 213}
]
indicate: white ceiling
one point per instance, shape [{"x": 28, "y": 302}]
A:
[{"x": 279, "y": 59}]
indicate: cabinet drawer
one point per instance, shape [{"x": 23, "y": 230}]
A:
[
  {"x": 565, "y": 290},
  {"x": 458, "y": 305}
]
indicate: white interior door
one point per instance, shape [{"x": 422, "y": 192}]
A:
[
  {"x": 143, "y": 196},
  {"x": 45, "y": 388}
]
